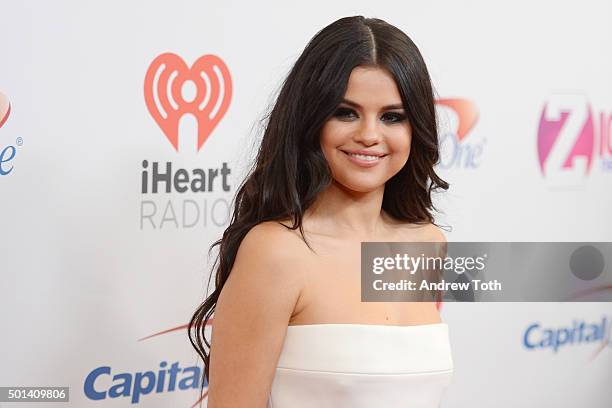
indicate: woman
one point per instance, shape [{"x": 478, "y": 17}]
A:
[{"x": 347, "y": 156}]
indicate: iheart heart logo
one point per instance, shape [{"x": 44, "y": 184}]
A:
[
  {"x": 167, "y": 87},
  {"x": 5, "y": 109}
]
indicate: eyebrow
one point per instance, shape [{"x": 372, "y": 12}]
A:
[{"x": 388, "y": 107}]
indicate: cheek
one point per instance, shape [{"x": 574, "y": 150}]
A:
[
  {"x": 333, "y": 133},
  {"x": 332, "y": 136},
  {"x": 400, "y": 146},
  {"x": 401, "y": 142}
]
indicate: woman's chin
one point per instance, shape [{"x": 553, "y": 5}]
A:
[{"x": 361, "y": 187}]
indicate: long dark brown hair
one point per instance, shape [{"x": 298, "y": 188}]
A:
[{"x": 290, "y": 169}]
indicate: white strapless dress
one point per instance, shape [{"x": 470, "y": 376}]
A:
[{"x": 362, "y": 365}]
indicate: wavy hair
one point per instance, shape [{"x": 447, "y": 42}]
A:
[{"x": 290, "y": 169}]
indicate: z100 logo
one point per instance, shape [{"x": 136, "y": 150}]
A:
[
  {"x": 7, "y": 153},
  {"x": 571, "y": 139}
]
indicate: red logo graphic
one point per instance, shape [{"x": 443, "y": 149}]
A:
[
  {"x": 5, "y": 109},
  {"x": 166, "y": 82},
  {"x": 457, "y": 119},
  {"x": 467, "y": 114}
]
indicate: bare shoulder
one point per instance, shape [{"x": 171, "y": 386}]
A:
[
  {"x": 251, "y": 318},
  {"x": 272, "y": 247},
  {"x": 426, "y": 233},
  {"x": 423, "y": 232},
  {"x": 434, "y": 233},
  {"x": 273, "y": 239}
]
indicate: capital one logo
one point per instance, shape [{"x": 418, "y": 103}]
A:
[
  {"x": 172, "y": 89},
  {"x": 7, "y": 153},
  {"x": 104, "y": 382},
  {"x": 571, "y": 138},
  {"x": 455, "y": 151}
]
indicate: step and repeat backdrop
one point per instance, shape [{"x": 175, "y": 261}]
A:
[{"x": 126, "y": 128}]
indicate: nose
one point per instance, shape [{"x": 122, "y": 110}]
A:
[{"x": 368, "y": 133}]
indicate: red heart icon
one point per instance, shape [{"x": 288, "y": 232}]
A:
[{"x": 163, "y": 88}]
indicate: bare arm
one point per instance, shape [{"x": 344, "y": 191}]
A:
[{"x": 250, "y": 320}]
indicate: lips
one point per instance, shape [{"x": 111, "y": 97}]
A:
[
  {"x": 363, "y": 162},
  {"x": 364, "y": 152}
]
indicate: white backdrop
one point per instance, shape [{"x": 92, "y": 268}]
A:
[{"x": 88, "y": 269}]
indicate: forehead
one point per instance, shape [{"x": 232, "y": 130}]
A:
[{"x": 372, "y": 86}]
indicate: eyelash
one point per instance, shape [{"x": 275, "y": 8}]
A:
[{"x": 343, "y": 112}]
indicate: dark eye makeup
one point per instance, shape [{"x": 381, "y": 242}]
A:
[{"x": 393, "y": 117}]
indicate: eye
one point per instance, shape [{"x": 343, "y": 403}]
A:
[
  {"x": 344, "y": 113},
  {"x": 348, "y": 113},
  {"x": 395, "y": 117}
]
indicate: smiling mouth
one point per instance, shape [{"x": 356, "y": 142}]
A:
[{"x": 365, "y": 157}]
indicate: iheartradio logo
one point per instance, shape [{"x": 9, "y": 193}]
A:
[
  {"x": 570, "y": 138},
  {"x": 172, "y": 89},
  {"x": 5, "y": 109}
]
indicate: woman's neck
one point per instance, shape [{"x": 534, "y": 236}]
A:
[{"x": 341, "y": 212}]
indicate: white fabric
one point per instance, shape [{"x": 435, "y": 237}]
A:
[{"x": 361, "y": 365}]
